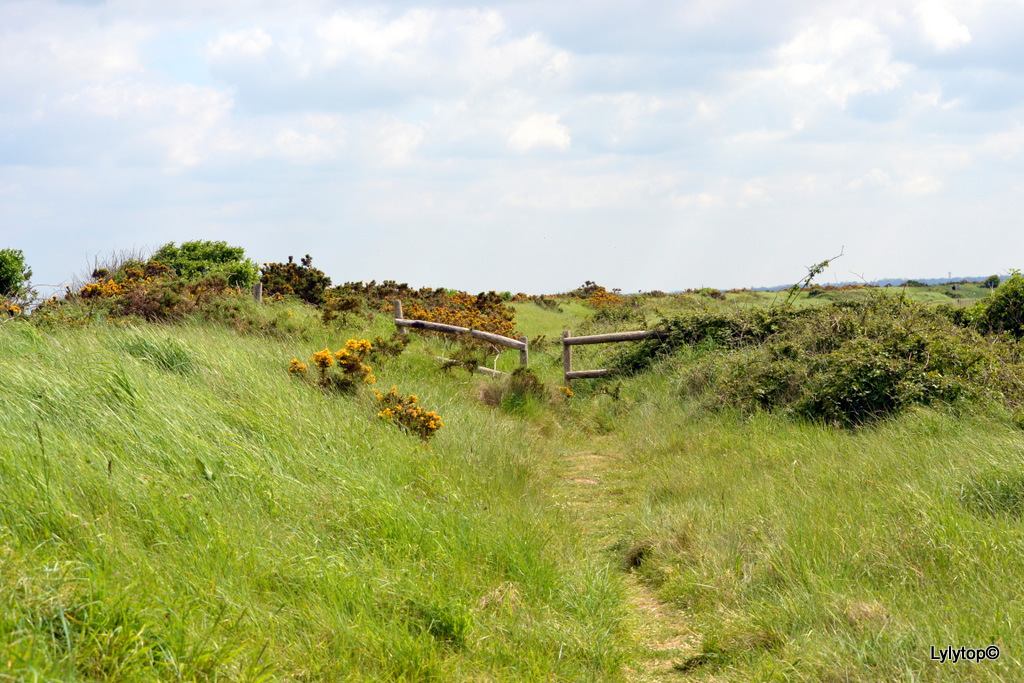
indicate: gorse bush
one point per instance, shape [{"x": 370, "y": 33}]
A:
[
  {"x": 150, "y": 290},
  {"x": 406, "y": 412},
  {"x": 349, "y": 361},
  {"x": 296, "y": 279},
  {"x": 486, "y": 311},
  {"x": 202, "y": 258}
]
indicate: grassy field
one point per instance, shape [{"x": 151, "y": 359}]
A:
[{"x": 175, "y": 506}]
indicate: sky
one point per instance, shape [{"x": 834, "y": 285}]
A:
[{"x": 522, "y": 146}]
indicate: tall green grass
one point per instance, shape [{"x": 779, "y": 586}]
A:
[
  {"x": 809, "y": 553},
  {"x": 175, "y": 506}
]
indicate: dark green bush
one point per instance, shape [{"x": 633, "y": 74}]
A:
[{"x": 14, "y": 274}]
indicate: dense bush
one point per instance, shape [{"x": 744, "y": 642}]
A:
[
  {"x": 14, "y": 274},
  {"x": 296, "y": 279},
  {"x": 709, "y": 330},
  {"x": 1001, "y": 312},
  {"x": 203, "y": 258},
  {"x": 846, "y": 363}
]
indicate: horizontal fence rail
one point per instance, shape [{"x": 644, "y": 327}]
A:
[
  {"x": 455, "y": 329},
  {"x": 568, "y": 341},
  {"x": 612, "y": 337},
  {"x": 522, "y": 344}
]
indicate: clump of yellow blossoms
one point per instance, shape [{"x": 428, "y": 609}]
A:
[
  {"x": 349, "y": 359},
  {"x": 101, "y": 290},
  {"x": 407, "y": 414},
  {"x": 323, "y": 360}
]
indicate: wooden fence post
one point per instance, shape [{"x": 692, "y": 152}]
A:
[
  {"x": 524, "y": 353},
  {"x": 257, "y": 292},
  {"x": 398, "y": 316},
  {"x": 566, "y": 355}
]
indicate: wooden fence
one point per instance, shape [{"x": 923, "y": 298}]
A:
[
  {"x": 569, "y": 341},
  {"x": 522, "y": 344}
]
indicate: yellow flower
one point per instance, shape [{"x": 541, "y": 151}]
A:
[{"x": 323, "y": 359}]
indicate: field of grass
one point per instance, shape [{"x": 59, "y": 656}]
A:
[{"x": 175, "y": 506}]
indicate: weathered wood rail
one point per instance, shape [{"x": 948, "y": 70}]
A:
[
  {"x": 522, "y": 344},
  {"x": 569, "y": 341}
]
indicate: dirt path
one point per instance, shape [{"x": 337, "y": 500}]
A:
[{"x": 594, "y": 489}]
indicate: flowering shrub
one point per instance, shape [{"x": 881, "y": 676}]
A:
[
  {"x": 299, "y": 279},
  {"x": 407, "y": 414},
  {"x": 149, "y": 290},
  {"x": 485, "y": 311},
  {"x": 348, "y": 359},
  {"x": 601, "y": 298}
]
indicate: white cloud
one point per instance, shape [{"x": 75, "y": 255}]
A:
[
  {"x": 539, "y": 131},
  {"x": 393, "y": 142},
  {"x": 873, "y": 178},
  {"x": 344, "y": 35},
  {"x": 941, "y": 27},
  {"x": 702, "y": 200},
  {"x": 701, "y": 121},
  {"x": 834, "y": 62},
  {"x": 922, "y": 185},
  {"x": 248, "y": 44}
]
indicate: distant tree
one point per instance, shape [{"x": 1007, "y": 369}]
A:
[
  {"x": 992, "y": 282},
  {"x": 14, "y": 274},
  {"x": 204, "y": 258}
]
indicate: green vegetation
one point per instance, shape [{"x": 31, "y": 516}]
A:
[
  {"x": 818, "y": 490},
  {"x": 295, "y": 279},
  {"x": 1002, "y": 312},
  {"x": 14, "y": 274},
  {"x": 205, "y": 259},
  {"x": 175, "y": 506}
]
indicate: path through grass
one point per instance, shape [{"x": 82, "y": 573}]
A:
[{"x": 593, "y": 487}]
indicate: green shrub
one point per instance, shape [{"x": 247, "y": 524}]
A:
[
  {"x": 846, "y": 363},
  {"x": 1003, "y": 311},
  {"x": 14, "y": 274},
  {"x": 203, "y": 258}
]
